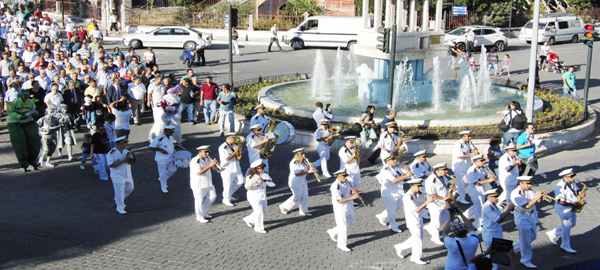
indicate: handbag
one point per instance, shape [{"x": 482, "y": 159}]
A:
[{"x": 503, "y": 125}]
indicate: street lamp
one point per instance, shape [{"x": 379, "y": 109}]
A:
[{"x": 510, "y": 18}]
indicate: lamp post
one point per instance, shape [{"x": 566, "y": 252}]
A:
[
  {"x": 532, "y": 61},
  {"x": 510, "y": 18}
]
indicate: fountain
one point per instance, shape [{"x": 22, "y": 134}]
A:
[
  {"x": 338, "y": 79},
  {"x": 319, "y": 71}
]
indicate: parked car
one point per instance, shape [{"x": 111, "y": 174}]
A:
[
  {"x": 555, "y": 27},
  {"x": 165, "y": 37},
  {"x": 485, "y": 35}
]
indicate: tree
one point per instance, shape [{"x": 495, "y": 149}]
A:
[{"x": 299, "y": 7}]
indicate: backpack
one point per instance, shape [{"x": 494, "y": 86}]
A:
[{"x": 519, "y": 121}]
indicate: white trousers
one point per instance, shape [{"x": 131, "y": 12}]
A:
[
  {"x": 159, "y": 123},
  {"x": 438, "y": 217},
  {"x": 236, "y": 46},
  {"x": 166, "y": 169},
  {"x": 259, "y": 208},
  {"x": 527, "y": 233},
  {"x": 101, "y": 165},
  {"x": 173, "y": 120},
  {"x": 299, "y": 194},
  {"x": 344, "y": 219},
  {"x": 507, "y": 189},
  {"x": 568, "y": 221},
  {"x": 415, "y": 241},
  {"x": 392, "y": 205},
  {"x": 123, "y": 187},
  {"x": 476, "y": 210},
  {"x": 231, "y": 183},
  {"x": 203, "y": 200},
  {"x": 323, "y": 158},
  {"x": 459, "y": 173}
]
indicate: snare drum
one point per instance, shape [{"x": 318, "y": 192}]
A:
[
  {"x": 285, "y": 131},
  {"x": 182, "y": 158}
]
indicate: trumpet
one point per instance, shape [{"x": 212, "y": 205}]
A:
[
  {"x": 312, "y": 167},
  {"x": 217, "y": 167},
  {"x": 239, "y": 140}
]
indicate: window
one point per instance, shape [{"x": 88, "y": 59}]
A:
[
  {"x": 488, "y": 31},
  {"x": 563, "y": 25},
  {"x": 313, "y": 24},
  {"x": 163, "y": 32},
  {"x": 477, "y": 32},
  {"x": 181, "y": 32}
]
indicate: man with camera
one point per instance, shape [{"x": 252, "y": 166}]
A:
[
  {"x": 463, "y": 246},
  {"x": 321, "y": 113}
]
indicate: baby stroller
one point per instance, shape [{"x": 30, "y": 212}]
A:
[{"x": 555, "y": 64}]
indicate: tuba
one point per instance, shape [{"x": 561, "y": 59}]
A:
[
  {"x": 267, "y": 150},
  {"x": 580, "y": 201},
  {"x": 239, "y": 140}
]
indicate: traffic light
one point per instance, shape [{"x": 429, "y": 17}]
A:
[
  {"x": 385, "y": 39},
  {"x": 589, "y": 34},
  {"x": 234, "y": 17}
]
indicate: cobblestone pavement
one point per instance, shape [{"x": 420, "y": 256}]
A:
[{"x": 64, "y": 217}]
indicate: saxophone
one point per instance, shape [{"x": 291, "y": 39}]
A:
[
  {"x": 356, "y": 143},
  {"x": 452, "y": 186},
  {"x": 400, "y": 147},
  {"x": 335, "y": 131},
  {"x": 580, "y": 201},
  {"x": 267, "y": 150}
]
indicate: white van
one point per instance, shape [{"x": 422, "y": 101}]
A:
[
  {"x": 555, "y": 27},
  {"x": 325, "y": 31}
]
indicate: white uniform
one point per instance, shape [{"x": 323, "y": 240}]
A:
[
  {"x": 391, "y": 194},
  {"x": 460, "y": 165},
  {"x": 298, "y": 186},
  {"x": 257, "y": 197},
  {"x": 414, "y": 222},
  {"x": 232, "y": 174},
  {"x": 165, "y": 162},
  {"x": 525, "y": 221},
  {"x": 420, "y": 170},
  {"x": 491, "y": 228},
  {"x": 322, "y": 149},
  {"x": 254, "y": 153},
  {"x": 508, "y": 179},
  {"x": 435, "y": 185},
  {"x": 351, "y": 167},
  {"x": 565, "y": 192},
  {"x": 156, "y": 93},
  {"x": 202, "y": 187},
  {"x": 120, "y": 176},
  {"x": 388, "y": 141},
  {"x": 474, "y": 175},
  {"x": 343, "y": 212},
  {"x": 261, "y": 120}
]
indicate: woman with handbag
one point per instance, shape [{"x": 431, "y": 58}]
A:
[{"x": 511, "y": 113}]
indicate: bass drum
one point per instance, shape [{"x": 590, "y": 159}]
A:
[
  {"x": 182, "y": 159},
  {"x": 285, "y": 131}
]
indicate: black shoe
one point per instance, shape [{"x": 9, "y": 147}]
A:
[
  {"x": 222, "y": 135},
  {"x": 25, "y": 170},
  {"x": 193, "y": 123},
  {"x": 269, "y": 50}
]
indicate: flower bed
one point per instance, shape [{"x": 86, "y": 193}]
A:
[{"x": 559, "y": 113}]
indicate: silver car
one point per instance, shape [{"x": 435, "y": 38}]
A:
[
  {"x": 165, "y": 37},
  {"x": 485, "y": 35}
]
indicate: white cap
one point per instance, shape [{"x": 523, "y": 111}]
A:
[
  {"x": 324, "y": 122},
  {"x": 120, "y": 139},
  {"x": 392, "y": 123},
  {"x": 478, "y": 157},
  {"x": 491, "y": 192},
  {"x": 465, "y": 132},
  {"x": 255, "y": 126},
  {"x": 169, "y": 127},
  {"x": 421, "y": 153},
  {"x": 230, "y": 134},
  {"x": 440, "y": 166},
  {"x": 340, "y": 172},
  {"x": 349, "y": 137},
  {"x": 203, "y": 148},
  {"x": 414, "y": 181},
  {"x": 259, "y": 106},
  {"x": 299, "y": 150},
  {"x": 566, "y": 172},
  {"x": 524, "y": 178},
  {"x": 511, "y": 147},
  {"x": 256, "y": 163}
]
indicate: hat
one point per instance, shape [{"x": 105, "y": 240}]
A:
[
  {"x": 478, "y": 157},
  {"x": 349, "y": 137},
  {"x": 414, "y": 181},
  {"x": 43, "y": 71},
  {"x": 421, "y": 153},
  {"x": 567, "y": 172},
  {"x": 169, "y": 127},
  {"x": 121, "y": 139},
  {"x": 492, "y": 192},
  {"x": 439, "y": 166},
  {"x": 390, "y": 157},
  {"x": 259, "y": 106},
  {"x": 511, "y": 147},
  {"x": 299, "y": 150},
  {"x": 324, "y": 122},
  {"x": 524, "y": 178},
  {"x": 255, "y": 127},
  {"x": 230, "y": 134},
  {"x": 390, "y": 124},
  {"x": 205, "y": 148},
  {"x": 458, "y": 228},
  {"x": 342, "y": 172},
  {"x": 465, "y": 132},
  {"x": 257, "y": 164}
]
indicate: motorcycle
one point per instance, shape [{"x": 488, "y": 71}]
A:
[{"x": 188, "y": 56}]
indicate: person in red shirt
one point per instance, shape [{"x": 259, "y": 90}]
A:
[
  {"x": 37, "y": 13},
  {"x": 35, "y": 45},
  {"x": 208, "y": 92},
  {"x": 82, "y": 34}
]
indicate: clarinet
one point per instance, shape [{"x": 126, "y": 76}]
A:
[{"x": 356, "y": 191}]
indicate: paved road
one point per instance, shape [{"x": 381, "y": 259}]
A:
[{"x": 64, "y": 218}]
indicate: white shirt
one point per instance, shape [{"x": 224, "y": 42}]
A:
[
  {"x": 157, "y": 92},
  {"x": 565, "y": 192},
  {"x": 460, "y": 149},
  {"x": 165, "y": 143},
  {"x": 11, "y": 95},
  {"x": 340, "y": 191},
  {"x": 388, "y": 141},
  {"x": 232, "y": 165},
  {"x": 385, "y": 177},
  {"x": 96, "y": 33},
  {"x": 28, "y": 56},
  {"x": 411, "y": 203},
  {"x": 200, "y": 181},
  {"x": 322, "y": 133},
  {"x": 520, "y": 198},
  {"x": 420, "y": 169},
  {"x": 136, "y": 91},
  {"x": 259, "y": 119},
  {"x": 508, "y": 115},
  {"x": 297, "y": 167},
  {"x": 474, "y": 175},
  {"x": 491, "y": 214},
  {"x": 251, "y": 141},
  {"x": 258, "y": 191},
  {"x": 200, "y": 43},
  {"x": 321, "y": 114},
  {"x": 53, "y": 99},
  {"x": 352, "y": 166},
  {"x": 122, "y": 119},
  {"x": 435, "y": 185},
  {"x": 123, "y": 170},
  {"x": 508, "y": 177},
  {"x": 471, "y": 36},
  {"x": 149, "y": 56}
]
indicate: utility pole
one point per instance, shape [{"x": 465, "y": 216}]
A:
[
  {"x": 229, "y": 25},
  {"x": 533, "y": 70},
  {"x": 392, "y": 50},
  {"x": 510, "y": 19}
]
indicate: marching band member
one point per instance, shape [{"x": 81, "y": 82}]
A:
[
  {"x": 508, "y": 171},
  {"x": 391, "y": 177},
  {"x": 201, "y": 183},
  {"x": 420, "y": 167},
  {"x": 388, "y": 141},
  {"x": 526, "y": 217},
  {"x": 259, "y": 118},
  {"x": 493, "y": 217},
  {"x": 231, "y": 175},
  {"x": 297, "y": 182},
  {"x": 566, "y": 198},
  {"x": 322, "y": 135},
  {"x": 257, "y": 195},
  {"x": 254, "y": 143},
  {"x": 164, "y": 147},
  {"x": 436, "y": 185},
  {"x": 461, "y": 161},
  {"x": 477, "y": 177},
  {"x": 341, "y": 198},
  {"x": 414, "y": 202},
  {"x": 348, "y": 161},
  {"x": 120, "y": 172}
]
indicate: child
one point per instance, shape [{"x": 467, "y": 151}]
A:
[
  {"x": 89, "y": 108},
  {"x": 109, "y": 125},
  {"x": 472, "y": 63},
  {"x": 85, "y": 150},
  {"x": 506, "y": 65}
]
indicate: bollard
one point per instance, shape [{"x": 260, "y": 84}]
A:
[{"x": 246, "y": 37}]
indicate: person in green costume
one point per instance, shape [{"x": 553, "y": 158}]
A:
[{"x": 23, "y": 130}]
